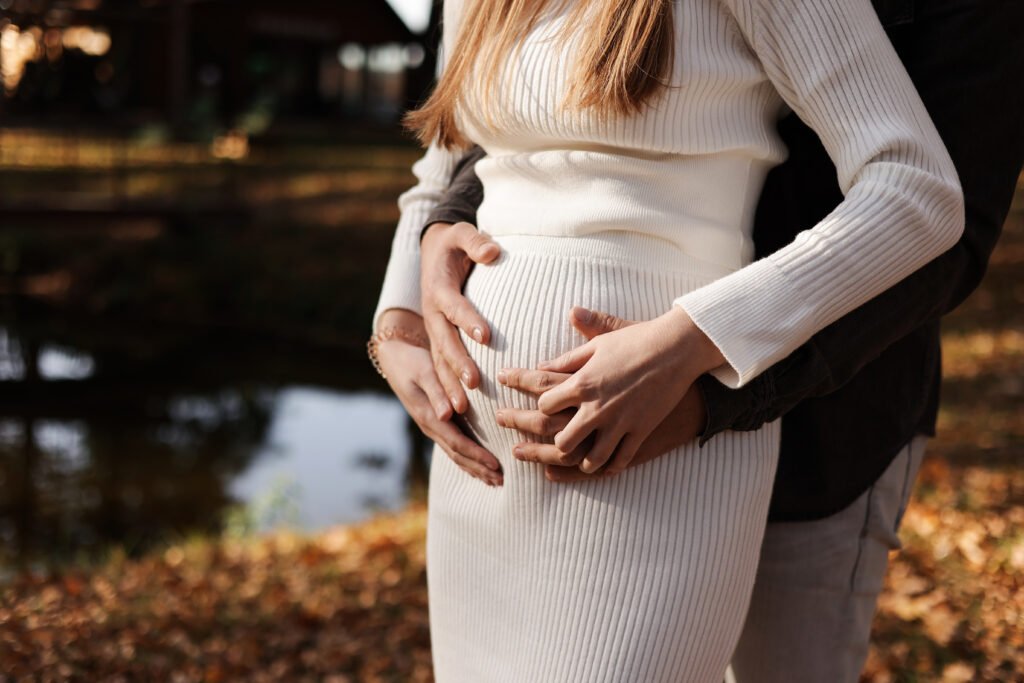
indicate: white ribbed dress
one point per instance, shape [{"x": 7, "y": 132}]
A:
[{"x": 646, "y": 576}]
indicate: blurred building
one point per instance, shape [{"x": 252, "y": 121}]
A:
[{"x": 200, "y": 65}]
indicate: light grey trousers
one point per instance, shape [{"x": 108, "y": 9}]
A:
[{"x": 818, "y": 583}]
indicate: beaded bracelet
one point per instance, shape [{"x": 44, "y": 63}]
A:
[{"x": 387, "y": 334}]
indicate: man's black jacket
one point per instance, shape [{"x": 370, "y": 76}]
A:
[{"x": 861, "y": 388}]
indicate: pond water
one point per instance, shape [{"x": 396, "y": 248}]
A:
[
  {"x": 182, "y": 341},
  {"x": 329, "y": 456},
  {"x": 92, "y": 456}
]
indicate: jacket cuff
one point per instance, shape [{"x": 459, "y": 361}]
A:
[
  {"x": 446, "y": 215},
  {"x": 733, "y": 409},
  {"x": 753, "y": 315}
]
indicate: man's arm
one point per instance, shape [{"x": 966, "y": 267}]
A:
[{"x": 463, "y": 196}]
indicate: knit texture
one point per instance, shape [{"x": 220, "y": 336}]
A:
[
  {"x": 689, "y": 168},
  {"x": 645, "y": 576}
]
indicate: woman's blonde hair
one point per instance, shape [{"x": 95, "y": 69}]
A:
[{"x": 623, "y": 60}]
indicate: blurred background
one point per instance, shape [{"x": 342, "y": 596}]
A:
[
  {"x": 197, "y": 200},
  {"x": 201, "y": 476}
]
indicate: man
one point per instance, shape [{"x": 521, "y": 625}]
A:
[{"x": 858, "y": 400}]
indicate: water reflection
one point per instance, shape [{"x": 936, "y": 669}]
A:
[
  {"x": 95, "y": 455},
  {"x": 56, "y": 362},
  {"x": 12, "y": 366},
  {"x": 338, "y": 456}
]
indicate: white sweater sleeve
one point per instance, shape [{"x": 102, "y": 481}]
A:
[
  {"x": 433, "y": 171},
  {"x": 833, "y": 64},
  {"x": 401, "y": 288}
]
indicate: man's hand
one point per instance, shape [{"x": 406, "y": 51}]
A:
[
  {"x": 447, "y": 254},
  {"x": 410, "y": 372},
  {"x": 683, "y": 424}
]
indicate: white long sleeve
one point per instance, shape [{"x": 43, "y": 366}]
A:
[
  {"x": 433, "y": 171},
  {"x": 832, "y": 63},
  {"x": 401, "y": 288}
]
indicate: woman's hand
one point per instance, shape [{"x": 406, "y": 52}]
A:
[
  {"x": 447, "y": 254},
  {"x": 683, "y": 424},
  {"x": 624, "y": 383},
  {"x": 410, "y": 372}
]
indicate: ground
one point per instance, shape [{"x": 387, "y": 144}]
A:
[{"x": 350, "y": 604}]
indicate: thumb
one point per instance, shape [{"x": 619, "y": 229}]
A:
[
  {"x": 592, "y": 323},
  {"x": 570, "y": 361},
  {"x": 478, "y": 246}
]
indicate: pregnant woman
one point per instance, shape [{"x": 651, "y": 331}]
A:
[{"x": 627, "y": 141}]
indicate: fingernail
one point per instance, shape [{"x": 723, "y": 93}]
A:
[
  {"x": 478, "y": 334},
  {"x": 584, "y": 315},
  {"x": 500, "y": 417},
  {"x": 455, "y": 401},
  {"x": 465, "y": 376},
  {"x": 441, "y": 409},
  {"x": 502, "y": 376},
  {"x": 494, "y": 465},
  {"x": 518, "y": 452}
]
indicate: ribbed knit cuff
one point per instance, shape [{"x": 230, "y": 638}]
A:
[{"x": 735, "y": 314}]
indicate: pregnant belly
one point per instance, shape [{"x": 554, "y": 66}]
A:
[
  {"x": 526, "y": 295},
  {"x": 525, "y": 301}
]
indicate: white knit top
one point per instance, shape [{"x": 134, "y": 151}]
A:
[{"x": 690, "y": 167}]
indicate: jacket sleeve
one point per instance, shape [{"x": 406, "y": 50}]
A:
[
  {"x": 463, "y": 197},
  {"x": 832, "y": 63},
  {"x": 978, "y": 114},
  {"x": 433, "y": 172},
  {"x": 401, "y": 288}
]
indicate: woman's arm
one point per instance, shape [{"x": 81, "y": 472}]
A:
[
  {"x": 409, "y": 369},
  {"x": 833, "y": 64},
  {"x": 401, "y": 288},
  {"x": 433, "y": 171}
]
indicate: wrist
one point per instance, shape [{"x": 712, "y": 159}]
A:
[
  {"x": 401, "y": 318},
  {"x": 394, "y": 331},
  {"x": 433, "y": 229},
  {"x": 703, "y": 355}
]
